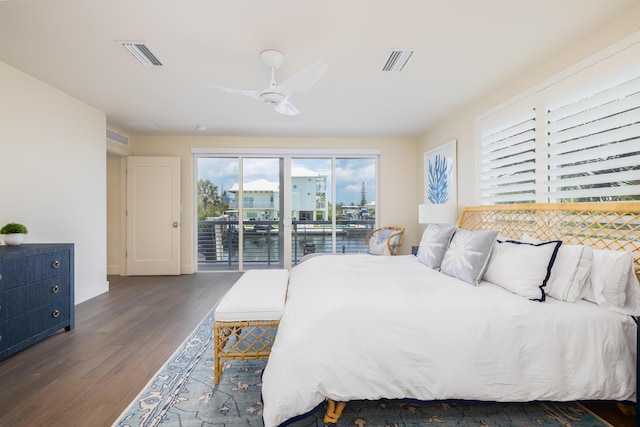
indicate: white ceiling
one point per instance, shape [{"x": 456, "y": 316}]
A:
[{"x": 463, "y": 48}]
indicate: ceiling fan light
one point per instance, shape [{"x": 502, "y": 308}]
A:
[{"x": 272, "y": 98}]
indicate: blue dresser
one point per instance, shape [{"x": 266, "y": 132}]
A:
[{"x": 36, "y": 294}]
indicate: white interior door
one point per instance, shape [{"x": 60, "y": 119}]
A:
[{"x": 153, "y": 216}]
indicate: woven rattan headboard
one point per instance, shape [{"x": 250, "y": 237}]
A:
[{"x": 601, "y": 225}]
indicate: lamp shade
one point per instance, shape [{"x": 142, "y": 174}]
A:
[{"x": 445, "y": 213}]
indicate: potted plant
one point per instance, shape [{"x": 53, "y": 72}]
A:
[{"x": 13, "y": 233}]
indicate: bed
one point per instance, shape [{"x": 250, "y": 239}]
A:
[{"x": 364, "y": 327}]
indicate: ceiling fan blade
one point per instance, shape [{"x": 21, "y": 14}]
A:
[
  {"x": 303, "y": 79},
  {"x": 287, "y": 108},
  {"x": 251, "y": 93}
]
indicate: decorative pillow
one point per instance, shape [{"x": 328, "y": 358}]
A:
[
  {"x": 378, "y": 245},
  {"x": 434, "y": 243},
  {"x": 613, "y": 283},
  {"x": 378, "y": 242},
  {"x": 522, "y": 268},
  {"x": 570, "y": 272},
  {"x": 468, "y": 253}
]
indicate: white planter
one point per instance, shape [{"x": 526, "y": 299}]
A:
[{"x": 13, "y": 239}]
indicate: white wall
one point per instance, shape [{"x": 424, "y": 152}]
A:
[
  {"x": 53, "y": 173},
  {"x": 397, "y": 205}
]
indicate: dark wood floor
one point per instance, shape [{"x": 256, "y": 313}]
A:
[
  {"x": 88, "y": 376},
  {"x": 609, "y": 412}
]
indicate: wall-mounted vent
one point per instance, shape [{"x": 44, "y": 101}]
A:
[
  {"x": 142, "y": 53},
  {"x": 397, "y": 60},
  {"x": 117, "y": 137}
]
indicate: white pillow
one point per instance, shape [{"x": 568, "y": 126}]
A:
[
  {"x": 522, "y": 268},
  {"x": 434, "y": 243},
  {"x": 570, "y": 271},
  {"x": 613, "y": 283}
]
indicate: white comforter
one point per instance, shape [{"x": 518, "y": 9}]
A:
[{"x": 371, "y": 327}]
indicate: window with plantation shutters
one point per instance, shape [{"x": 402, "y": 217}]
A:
[
  {"x": 572, "y": 138},
  {"x": 508, "y": 166},
  {"x": 593, "y": 141}
]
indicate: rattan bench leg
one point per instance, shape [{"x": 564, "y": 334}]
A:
[
  {"x": 334, "y": 411},
  {"x": 219, "y": 341},
  {"x": 261, "y": 331}
]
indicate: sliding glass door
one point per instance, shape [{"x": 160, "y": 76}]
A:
[
  {"x": 355, "y": 202},
  {"x": 260, "y": 212},
  {"x": 332, "y": 204},
  {"x": 311, "y": 214},
  {"x": 217, "y": 213},
  {"x": 245, "y": 221}
]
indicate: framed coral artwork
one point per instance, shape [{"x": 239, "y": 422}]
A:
[{"x": 440, "y": 175}]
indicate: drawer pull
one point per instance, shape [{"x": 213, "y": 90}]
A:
[
  {"x": 55, "y": 264},
  {"x": 55, "y": 313},
  {"x": 0, "y": 276},
  {"x": 55, "y": 289}
]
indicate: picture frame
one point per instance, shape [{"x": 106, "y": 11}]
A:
[{"x": 440, "y": 169}]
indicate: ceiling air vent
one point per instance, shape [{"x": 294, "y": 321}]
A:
[
  {"x": 397, "y": 60},
  {"x": 117, "y": 137},
  {"x": 142, "y": 53}
]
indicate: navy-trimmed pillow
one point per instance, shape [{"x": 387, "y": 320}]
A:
[
  {"x": 522, "y": 268},
  {"x": 570, "y": 273}
]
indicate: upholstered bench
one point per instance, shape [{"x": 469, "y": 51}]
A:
[{"x": 247, "y": 317}]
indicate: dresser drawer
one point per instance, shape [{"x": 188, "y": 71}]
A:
[
  {"x": 17, "y": 272},
  {"x": 13, "y": 273},
  {"x": 32, "y": 326},
  {"x": 16, "y": 301},
  {"x": 48, "y": 265}
]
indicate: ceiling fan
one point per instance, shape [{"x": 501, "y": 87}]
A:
[{"x": 277, "y": 95}]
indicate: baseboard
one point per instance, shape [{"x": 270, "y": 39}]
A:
[
  {"x": 115, "y": 269},
  {"x": 87, "y": 292}
]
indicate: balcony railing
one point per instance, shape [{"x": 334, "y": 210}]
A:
[
  {"x": 218, "y": 242},
  {"x": 256, "y": 204}
]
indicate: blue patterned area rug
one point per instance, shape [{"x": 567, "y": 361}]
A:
[{"x": 183, "y": 394}]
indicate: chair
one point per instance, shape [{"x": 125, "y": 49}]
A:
[{"x": 385, "y": 240}]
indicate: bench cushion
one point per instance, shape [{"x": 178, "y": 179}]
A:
[{"x": 257, "y": 295}]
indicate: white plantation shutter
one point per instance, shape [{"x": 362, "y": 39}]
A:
[
  {"x": 508, "y": 160},
  {"x": 575, "y": 138},
  {"x": 593, "y": 140}
]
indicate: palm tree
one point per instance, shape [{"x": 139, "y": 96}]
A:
[{"x": 207, "y": 193}]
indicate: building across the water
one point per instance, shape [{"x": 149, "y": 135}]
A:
[{"x": 261, "y": 198}]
